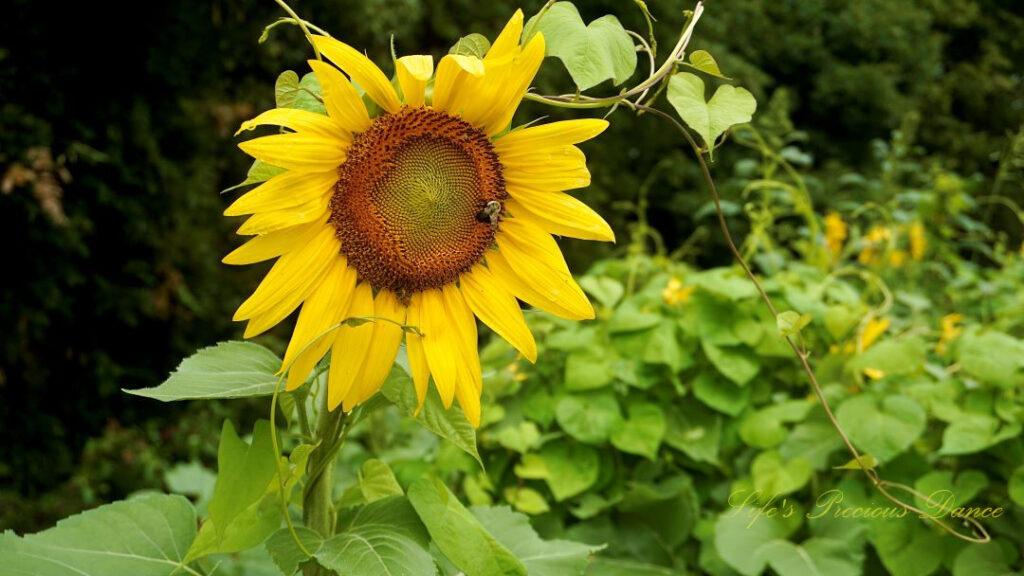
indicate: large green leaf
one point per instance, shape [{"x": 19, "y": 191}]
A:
[
  {"x": 884, "y": 427},
  {"x": 642, "y": 432},
  {"x": 384, "y": 538},
  {"x": 775, "y": 476},
  {"x": 906, "y": 547},
  {"x": 143, "y": 536},
  {"x": 743, "y": 537},
  {"x": 228, "y": 370},
  {"x": 993, "y": 357},
  {"x": 540, "y": 557},
  {"x": 591, "y": 53},
  {"x": 570, "y": 468},
  {"x": 817, "y": 556},
  {"x": 458, "y": 534},
  {"x": 244, "y": 472},
  {"x": 710, "y": 119},
  {"x": 450, "y": 424},
  {"x": 377, "y": 481},
  {"x": 589, "y": 418},
  {"x": 737, "y": 363}
]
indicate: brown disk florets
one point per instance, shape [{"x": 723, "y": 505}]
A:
[{"x": 412, "y": 200}]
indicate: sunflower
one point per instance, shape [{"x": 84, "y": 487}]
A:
[{"x": 417, "y": 207}]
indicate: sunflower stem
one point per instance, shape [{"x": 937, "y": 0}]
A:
[{"x": 317, "y": 498}]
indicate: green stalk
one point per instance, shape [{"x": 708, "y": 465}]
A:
[{"x": 317, "y": 498}]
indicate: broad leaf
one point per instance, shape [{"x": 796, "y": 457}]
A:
[
  {"x": 458, "y": 534},
  {"x": 591, "y": 53},
  {"x": 884, "y": 427},
  {"x": 642, "y": 432},
  {"x": 710, "y": 119},
  {"x": 377, "y": 481},
  {"x": 244, "y": 472},
  {"x": 228, "y": 370},
  {"x": 570, "y": 468},
  {"x": 143, "y": 536},
  {"x": 383, "y": 538},
  {"x": 540, "y": 557},
  {"x": 589, "y": 418},
  {"x": 471, "y": 45}
]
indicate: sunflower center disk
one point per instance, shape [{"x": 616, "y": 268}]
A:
[{"x": 413, "y": 197}]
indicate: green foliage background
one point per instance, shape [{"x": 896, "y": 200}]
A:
[{"x": 117, "y": 139}]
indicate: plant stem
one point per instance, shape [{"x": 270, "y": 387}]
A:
[{"x": 317, "y": 498}]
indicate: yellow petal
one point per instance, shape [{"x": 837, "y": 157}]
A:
[
  {"x": 383, "y": 348},
  {"x": 326, "y": 306},
  {"x": 440, "y": 344},
  {"x": 461, "y": 317},
  {"x": 418, "y": 365},
  {"x": 508, "y": 41},
  {"x": 453, "y": 74},
  {"x": 297, "y": 151},
  {"x": 557, "y": 175},
  {"x": 537, "y": 262},
  {"x": 525, "y": 291},
  {"x": 272, "y": 245},
  {"x": 351, "y": 345},
  {"x": 284, "y": 191},
  {"x": 341, "y": 99},
  {"x": 528, "y": 140},
  {"x": 293, "y": 276},
  {"x": 413, "y": 74},
  {"x": 361, "y": 69},
  {"x": 559, "y": 213},
  {"x": 498, "y": 308},
  {"x": 514, "y": 86},
  {"x": 267, "y": 222},
  {"x": 299, "y": 121},
  {"x": 469, "y": 400}
]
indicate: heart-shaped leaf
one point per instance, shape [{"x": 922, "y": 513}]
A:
[{"x": 728, "y": 107}]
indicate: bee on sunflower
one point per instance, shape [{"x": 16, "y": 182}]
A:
[{"x": 421, "y": 209}]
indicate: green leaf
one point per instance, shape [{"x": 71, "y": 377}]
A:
[
  {"x": 194, "y": 480},
  {"x": 286, "y": 554},
  {"x": 815, "y": 441},
  {"x": 526, "y": 500},
  {"x": 589, "y": 418},
  {"x": 814, "y": 556},
  {"x": 866, "y": 460},
  {"x": 587, "y": 370},
  {"x": 244, "y": 472},
  {"x": 884, "y": 427},
  {"x": 449, "y": 424},
  {"x": 703, "y": 60},
  {"x": 720, "y": 393},
  {"x": 983, "y": 560},
  {"x": 1016, "y": 485},
  {"x": 946, "y": 494},
  {"x": 471, "y": 45},
  {"x": 737, "y": 363},
  {"x": 260, "y": 171},
  {"x": 377, "y": 481},
  {"x": 227, "y": 370},
  {"x": 606, "y": 290},
  {"x": 383, "y": 538},
  {"x": 521, "y": 437},
  {"x": 741, "y": 536},
  {"x": 790, "y": 322},
  {"x": 662, "y": 347},
  {"x": 144, "y": 536},
  {"x": 992, "y": 357},
  {"x": 286, "y": 88},
  {"x": 613, "y": 567},
  {"x": 248, "y": 529},
  {"x": 893, "y": 357},
  {"x": 728, "y": 107},
  {"x": 458, "y": 534},
  {"x": 695, "y": 431},
  {"x": 641, "y": 433},
  {"x": 907, "y": 548},
  {"x": 972, "y": 433},
  {"x": 591, "y": 53},
  {"x": 571, "y": 468},
  {"x": 774, "y": 476},
  {"x": 539, "y": 557},
  {"x": 764, "y": 428},
  {"x": 629, "y": 317}
]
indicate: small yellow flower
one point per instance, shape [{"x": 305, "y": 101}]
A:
[
  {"x": 835, "y": 233},
  {"x": 918, "y": 241},
  {"x": 951, "y": 330},
  {"x": 873, "y": 241},
  {"x": 675, "y": 293},
  {"x": 874, "y": 373},
  {"x": 872, "y": 330},
  {"x": 897, "y": 258},
  {"x": 516, "y": 373}
]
